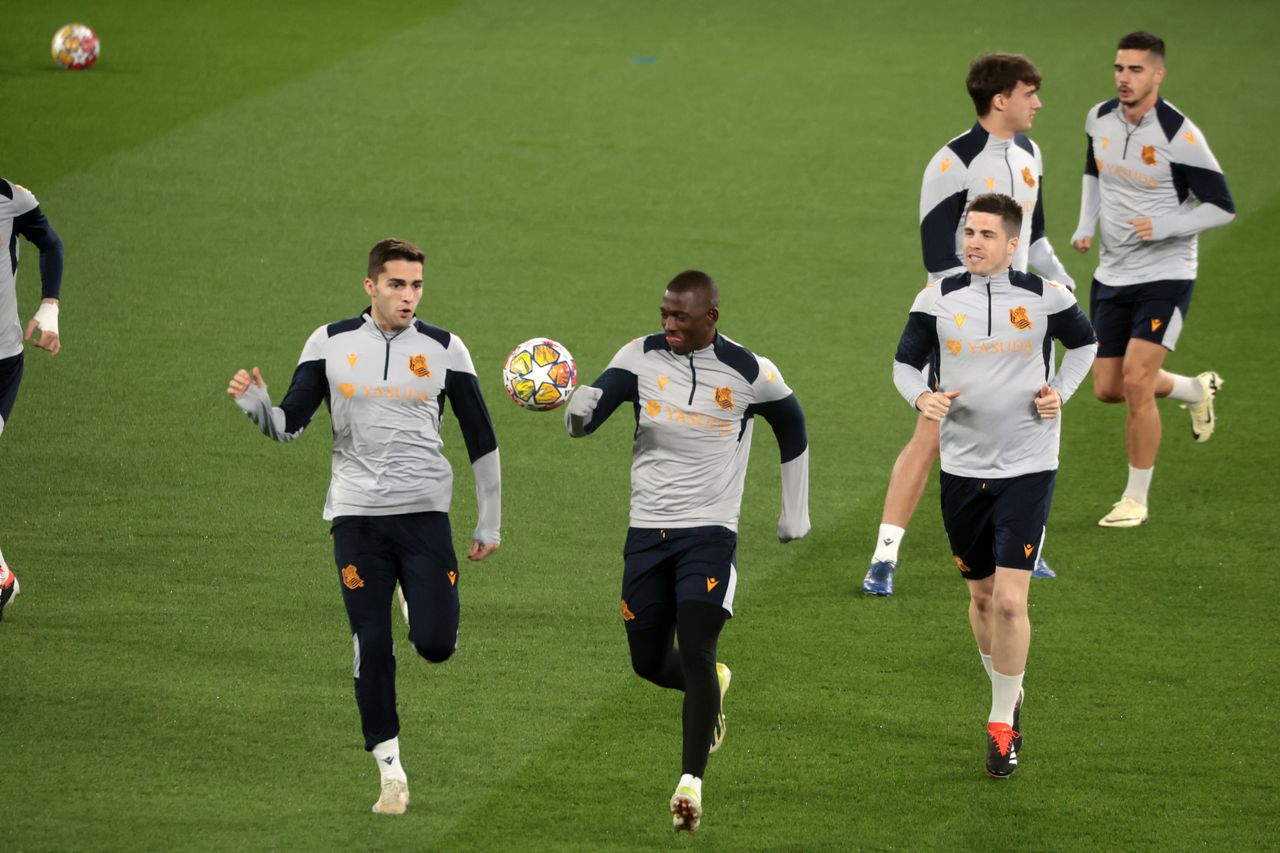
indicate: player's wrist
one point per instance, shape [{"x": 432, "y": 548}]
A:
[{"x": 47, "y": 316}]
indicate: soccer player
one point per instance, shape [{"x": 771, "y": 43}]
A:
[
  {"x": 993, "y": 156},
  {"x": 997, "y": 401},
  {"x": 385, "y": 376},
  {"x": 20, "y": 214},
  {"x": 1150, "y": 177},
  {"x": 694, "y": 393}
]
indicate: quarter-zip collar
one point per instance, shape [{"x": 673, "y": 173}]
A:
[
  {"x": 985, "y": 284},
  {"x": 371, "y": 323}
]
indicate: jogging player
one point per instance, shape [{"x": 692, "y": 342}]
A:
[
  {"x": 694, "y": 393},
  {"x": 20, "y": 214},
  {"x": 1152, "y": 181},
  {"x": 997, "y": 401},
  {"x": 385, "y": 376},
  {"x": 993, "y": 156}
]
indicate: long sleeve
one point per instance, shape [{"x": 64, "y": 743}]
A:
[
  {"x": 463, "y": 391},
  {"x": 1046, "y": 263},
  {"x": 36, "y": 228},
  {"x": 617, "y": 386},
  {"x": 1073, "y": 328},
  {"x": 286, "y": 422},
  {"x": 788, "y": 422},
  {"x": 1090, "y": 207}
]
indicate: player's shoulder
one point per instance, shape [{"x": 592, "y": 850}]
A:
[
  {"x": 443, "y": 337},
  {"x": 737, "y": 357},
  {"x": 1054, "y": 296},
  {"x": 929, "y": 295},
  {"x": 1172, "y": 120},
  {"x": 16, "y": 198},
  {"x": 967, "y": 146},
  {"x": 1025, "y": 143},
  {"x": 1103, "y": 109}
]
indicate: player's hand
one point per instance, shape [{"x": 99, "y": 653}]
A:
[
  {"x": 583, "y": 401},
  {"x": 1083, "y": 244},
  {"x": 1143, "y": 227},
  {"x": 1048, "y": 403},
  {"x": 934, "y": 405},
  {"x": 242, "y": 380},
  {"x": 46, "y": 321},
  {"x": 480, "y": 550}
]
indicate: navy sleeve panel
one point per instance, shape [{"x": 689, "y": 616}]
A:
[
  {"x": 1024, "y": 143},
  {"x": 618, "y": 386},
  {"x": 1107, "y": 107},
  {"x": 35, "y": 227},
  {"x": 1071, "y": 327},
  {"x": 1090, "y": 161},
  {"x": 1037, "y": 216},
  {"x": 919, "y": 340},
  {"x": 938, "y": 233},
  {"x": 309, "y": 388},
  {"x": 787, "y": 419},
  {"x": 1171, "y": 120},
  {"x": 736, "y": 356},
  {"x": 1206, "y": 184},
  {"x": 348, "y": 325},
  {"x": 1027, "y": 281},
  {"x": 463, "y": 391},
  {"x": 436, "y": 333}
]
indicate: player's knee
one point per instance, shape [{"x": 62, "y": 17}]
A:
[
  {"x": 981, "y": 602},
  {"x": 435, "y": 649},
  {"x": 1108, "y": 394},
  {"x": 647, "y": 663},
  {"x": 1009, "y": 608}
]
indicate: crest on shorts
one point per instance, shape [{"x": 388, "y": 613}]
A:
[
  {"x": 1028, "y": 178},
  {"x": 418, "y": 366},
  {"x": 1149, "y": 155},
  {"x": 351, "y": 578},
  {"x": 960, "y": 564},
  {"x": 627, "y": 615},
  {"x": 724, "y": 397},
  {"x": 1018, "y": 317},
  {"x": 953, "y": 346}
]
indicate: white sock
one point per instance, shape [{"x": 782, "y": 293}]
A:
[
  {"x": 1004, "y": 695},
  {"x": 1186, "y": 389},
  {"x": 387, "y": 754},
  {"x": 987, "y": 665},
  {"x": 887, "y": 545},
  {"x": 690, "y": 781},
  {"x": 1139, "y": 484}
]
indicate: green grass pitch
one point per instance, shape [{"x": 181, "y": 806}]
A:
[{"x": 176, "y": 674}]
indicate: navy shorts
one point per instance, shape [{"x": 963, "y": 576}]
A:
[
  {"x": 996, "y": 522},
  {"x": 10, "y": 379},
  {"x": 1154, "y": 311},
  {"x": 662, "y": 568}
]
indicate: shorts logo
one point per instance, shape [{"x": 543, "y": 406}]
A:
[
  {"x": 712, "y": 583},
  {"x": 627, "y": 615},
  {"x": 991, "y": 183},
  {"x": 1018, "y": 317},
  {"x": 453, "y": 578},
  {"x": 960, "y": 321},
  {"x": 1149, "y": 155},
  {"x": 961, "y": 565},
  {"x": 945, "y": 164},
  {"x": 351, "y": 578},
  {"x": 1028, "y": 178},
  {"x": 1027, "y": 549},
  {"x": 346, "y": 389},
  {"x": 724, "y": 397},
  {"x": 352, "y": 358},
  {"x": 662, "y": 382},
  {"x": 953, "y": 346},
  {"x": 418, "y": 366},
  {"x": 1155, "y": 324}
]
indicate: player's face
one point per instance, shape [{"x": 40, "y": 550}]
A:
[
  {"x": 1138, "y": 77},
  {"x": 395, "y": 295},
  {"x": 988, "y": 250},
  {"x": 1020, "y": 107},
  {"x": 689, "y": 320}
]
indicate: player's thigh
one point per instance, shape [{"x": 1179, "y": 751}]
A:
[
  {"x": 1159, "y": 310},
  {"x": 10, "y": 379},
  {"x": 1111, "y": 313},
  {"x": 366, "y": 571},
  {"x": 1142, "y": 363},
  {"x": 967, "y": 517},
  {"x": 706, "y": 566},
  {"x": 648, "y": 579},
  {"x": 1018, "y": 519},
  {"x": 429, "y": 576}
]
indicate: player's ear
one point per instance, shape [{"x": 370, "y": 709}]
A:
[{"x": 370, "y": 287}]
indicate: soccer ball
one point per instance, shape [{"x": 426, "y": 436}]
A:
[
  {"x": 8, "y": 588},
  {"x": 75, "y": 47},
  {"x": 539, "y": 374}
]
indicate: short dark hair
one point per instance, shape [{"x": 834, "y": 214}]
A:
[
  {"x": 691, "y": 281},
  {"x": 1009, "y": 211},
  {"x": 1143, "y": 40},
  {"x": 392, "y": 249},
  {"x": 997, "y": 74}
]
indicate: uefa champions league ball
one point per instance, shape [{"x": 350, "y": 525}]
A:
[
  {"x": 75, "y": 47},
  {"x": 539, "y": 374}
]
